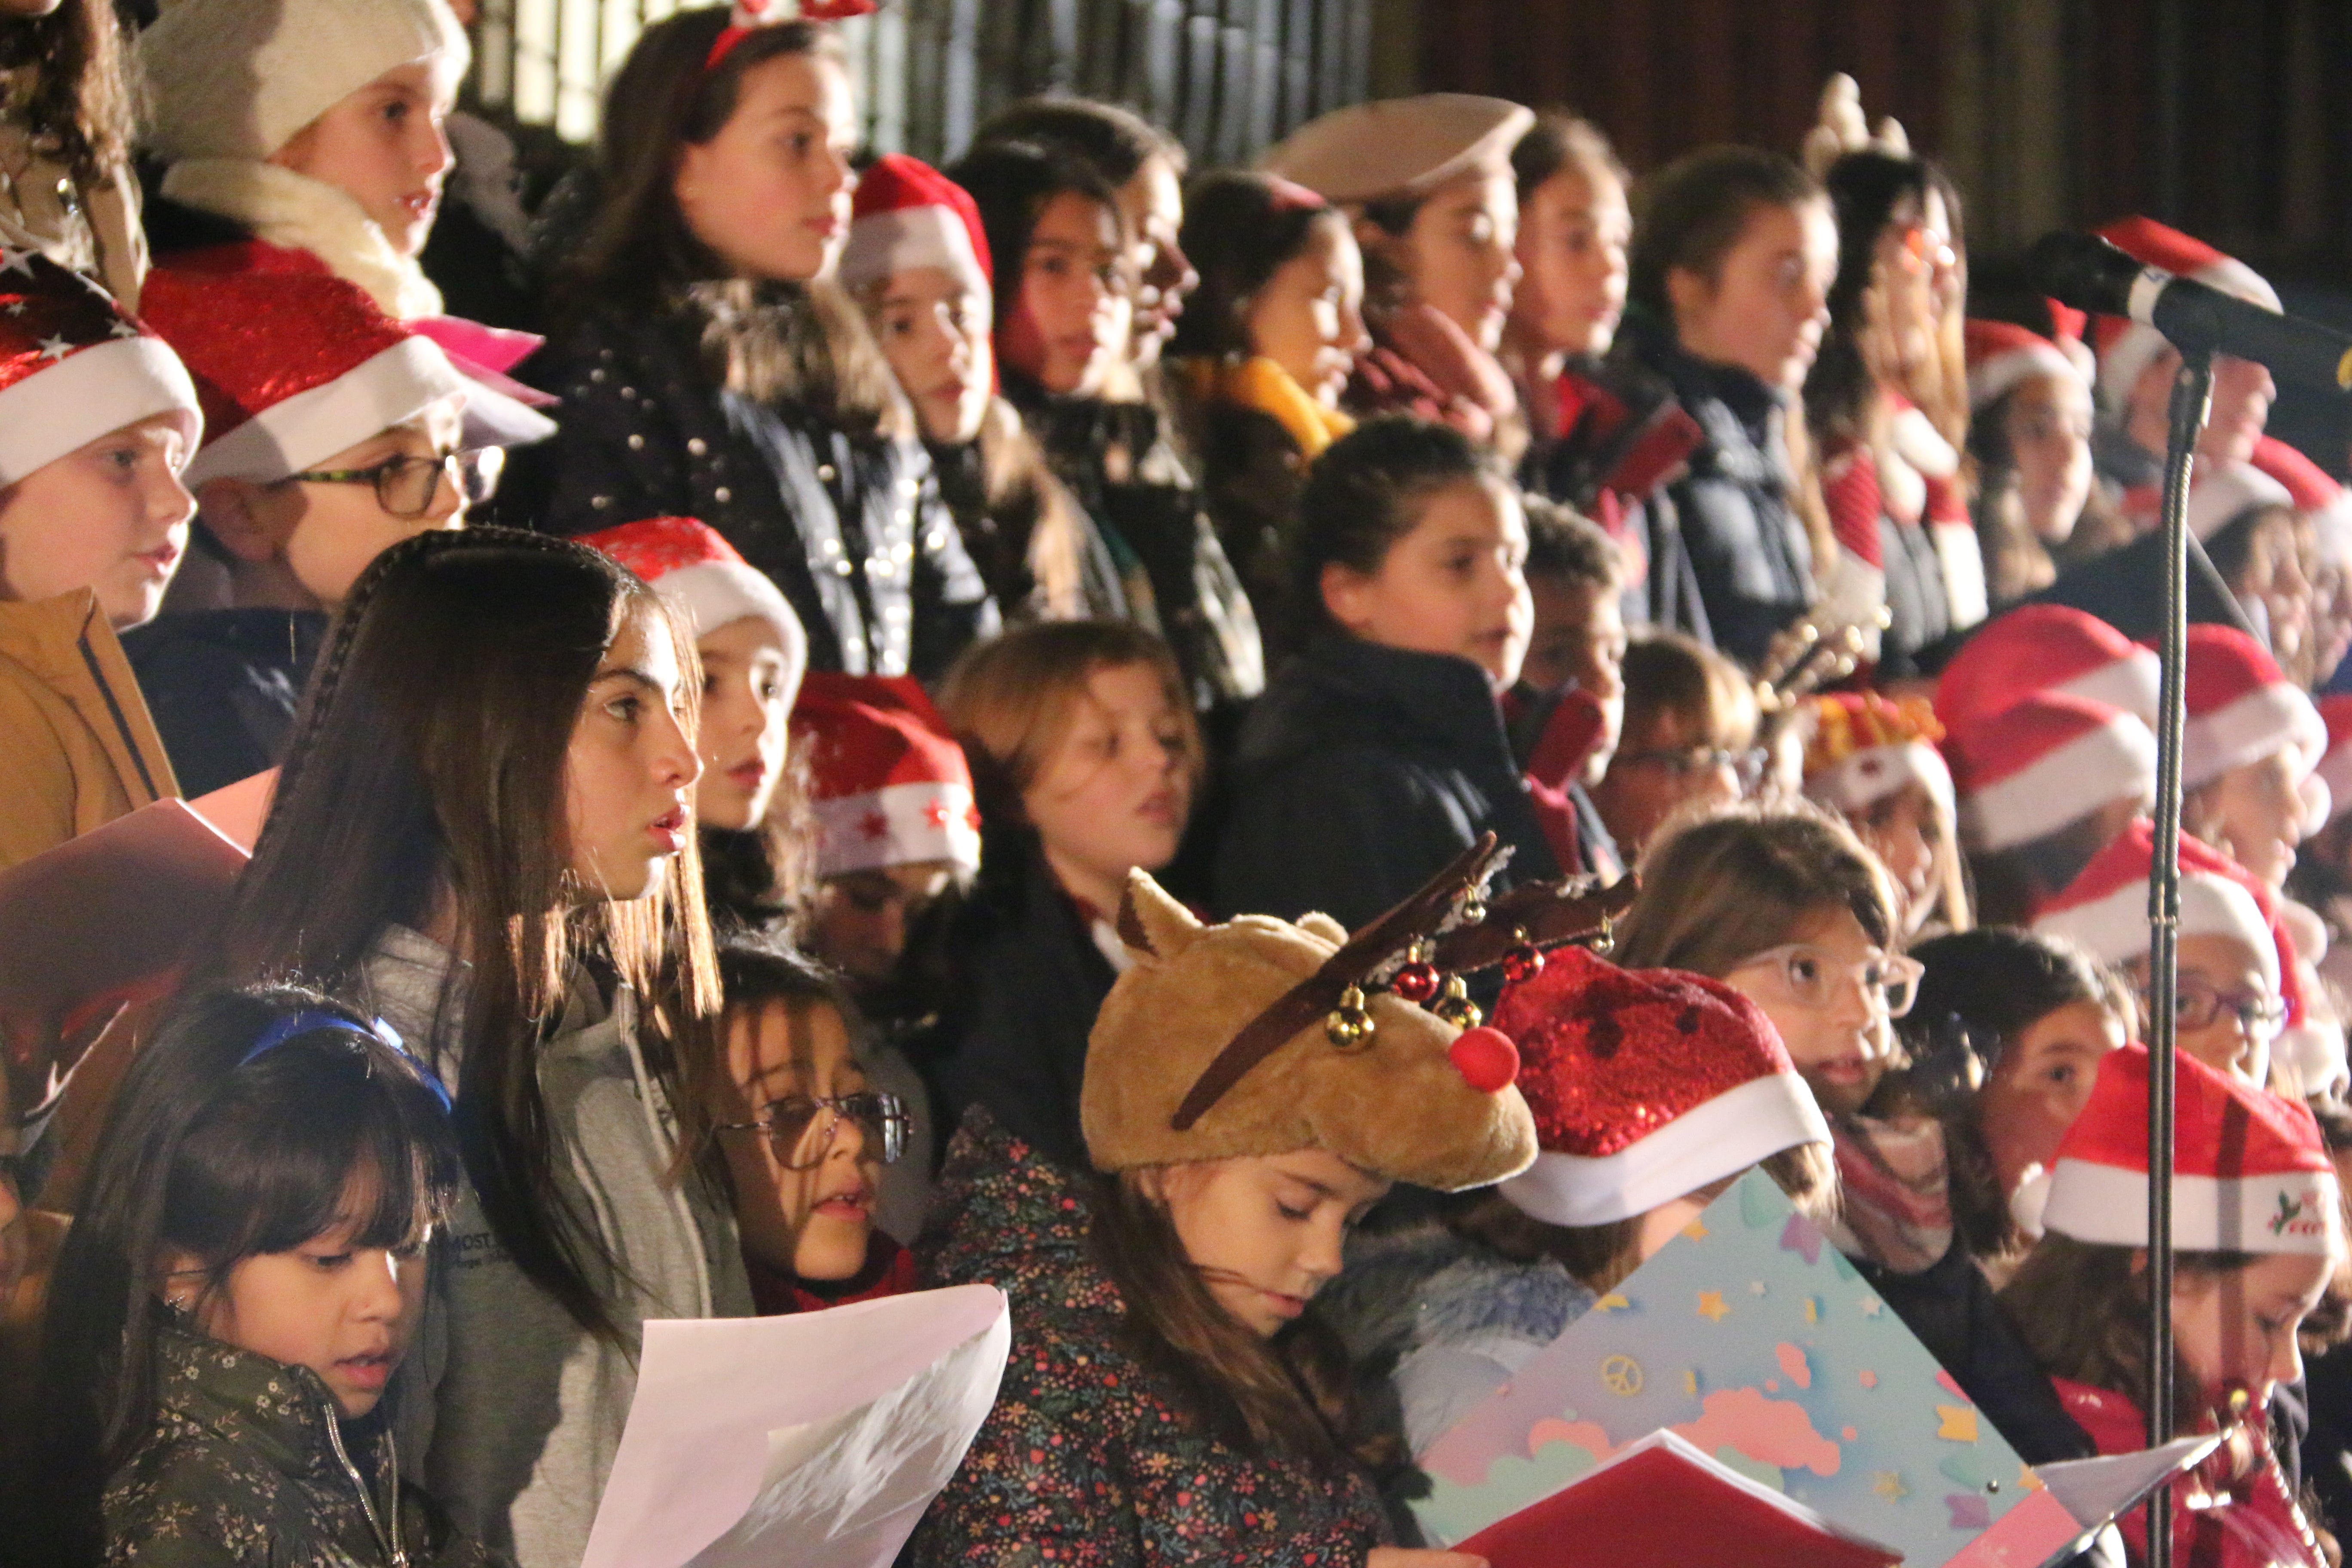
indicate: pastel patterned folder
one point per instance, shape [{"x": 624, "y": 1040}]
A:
[{"x": 1753, "y": 1339}]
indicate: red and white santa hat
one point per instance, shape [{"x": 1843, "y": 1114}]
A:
[
  {"x": 701, "y": 577},
  {"x": 1861, "y": 748},
  {"x": 1646, "y": 1085},
  {"x": 292, "y": 367},
  {"x": 2241, "y": 708},
  {"x": 2125, "y": 347},
  {"x": 907, "y": 214},
  {"x": 2312, "y": 489},
  {"x": 73, "y": 366},
  {"x": 2335, "y": 769},
  {"x": 2249, "y": 1171},
  {"x": 888, "y": 784},
  {"x": 2105, "y": 908},
  {"x": 2222, "y": 492},
  {"x": 2046, "y": 648},
  {"x": 2045, "y": 760},
  {"x": 2002, "y": 353}
]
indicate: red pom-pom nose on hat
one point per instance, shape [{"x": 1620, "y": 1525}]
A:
[{"x": 1487, "y": 1059}]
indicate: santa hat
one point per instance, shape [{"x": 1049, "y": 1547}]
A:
[
  {"x": 910, "y": 215},
  {"x": 2314, "y": 493},
  {"x": 1860, "y": 748},
  {"x": 2222, "y": 492},
  {"x": 888, "y": 784},
  {"x": 292, "y": 368},
  {"x": 73, "y": 366},
  {"x": 2241, "y": 708},
  {"x": 237, "y": 78},
  {"x": 1646, "y": 1085},
  {"x": 2249, "y": 1171},
  {"x": 2106, "y": 909},
  {"x": 700, "y": 575},
  {"x": 2043, "y": 761},
  {"x": 2046, "y": 648},
  {"x": 2335, "y": 769},
  {"x": 2002, "y": 353},
  {"x": 2125, "y": 347}
]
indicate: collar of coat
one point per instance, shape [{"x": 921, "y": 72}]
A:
[{"x": 281, "y": 1414}]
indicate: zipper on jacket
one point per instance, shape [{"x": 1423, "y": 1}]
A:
[{"x": 388, "y": 1541}]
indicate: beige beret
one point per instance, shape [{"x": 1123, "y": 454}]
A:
[{"x": 1401, "y": 147}]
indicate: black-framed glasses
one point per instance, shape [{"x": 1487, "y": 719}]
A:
[
  {"x": 800, "y": 1129},
  {"x": 1747, "y": 767},
  {"x": 408, "y": 485}
]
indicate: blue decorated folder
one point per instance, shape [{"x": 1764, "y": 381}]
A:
[{"x": 1752, "y": 1338}]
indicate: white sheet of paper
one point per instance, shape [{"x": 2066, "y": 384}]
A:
[
  {"x": 809, "y": 1441},
  {"x": 2095, "y": 1491}
]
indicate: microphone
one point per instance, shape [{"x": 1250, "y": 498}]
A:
[{"x": 2086, "y": 272}]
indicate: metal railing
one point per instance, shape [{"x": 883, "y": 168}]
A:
[{"x": 1228, "y": 77}]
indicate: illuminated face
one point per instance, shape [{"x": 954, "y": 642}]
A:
[
  {"x": 1455, "y": 583},
  {"x": 2235, "y": 1328},
  {"x": 1459, "y": 255},
  {"x": 383, "y": 146},
  {"x": 769, "y": 193},
  {"x": 111, "y": 516},
  {"x": 1068, "y": 324},
  {"x": 1767, "y": 305},
  {"x": 1575, "y": 231},
  {"x": 1265, "y": 1231},
  {"x": 630, "y": 769}
]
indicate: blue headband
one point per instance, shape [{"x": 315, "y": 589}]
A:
[{"x": 315, "y": 1019}]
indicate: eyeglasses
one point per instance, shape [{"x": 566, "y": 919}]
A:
[
  {"x": 1747, "y": 767},
  {"x": 801, "y": 1129},
  {"x": 406, "y": 486},
  {"x": 2197, "y": 1006},
  {"x": 1813, "y": 976}
]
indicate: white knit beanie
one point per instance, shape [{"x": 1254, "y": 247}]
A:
[{"x": 239, "y": 78}]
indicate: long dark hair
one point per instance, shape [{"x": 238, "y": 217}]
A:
[
  {"x": 1289, "y": 1397},
  {"x": 2082, "y": 1310},
  {"x": 77, "y": 102},
  {"x": 1011, "y": 181},
  {"x": 1238, "y": 233},
  {"x": 427, "y": 774},
  {"x": 802, "y": 346},
  {"x": 1865, "y": 190},
  {"x": 216, "y": 1151}
]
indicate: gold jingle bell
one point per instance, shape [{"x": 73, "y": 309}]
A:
[
  {"x": 1455, "y": 1007},
  {"x": 1350, "y": 1024}
]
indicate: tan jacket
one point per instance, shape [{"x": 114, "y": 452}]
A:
[
  {"x": 96, "y": 232},
  {"x": 77, "y": 747}
]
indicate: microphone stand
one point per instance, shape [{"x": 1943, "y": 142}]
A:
[{"x": 2193, "y": 392}]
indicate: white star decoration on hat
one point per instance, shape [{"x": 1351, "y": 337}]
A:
[
  {"x": 121, "y": 329},
  {"x": 16, "y": 260},
  {"x": 57, "y": 347}
]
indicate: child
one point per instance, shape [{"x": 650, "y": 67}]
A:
[
  {"x": 708, "y": 370},
  {"x": 2012, "y": 1026},
  {"x": 2232, "y": 961},
  {"x": 898, "y": 839},
  {"x": 2248, "y": 747},
  {"x": 2030, "y": 433},
  {"x": 315, "y": 461},
  {"x": 1459, "y": 1302},
  {"x": 1427, "y": 181},
  {"x": 65, "y": 142},
  {"x": 2044, "y": 785},
  {"x": 1875, "y": 763},
  {"x": 808, "y": 1140},
  {"x": 482, "y": 830},
  {"x": 918, "y": 261},
  {"x": 1263, "y": 353},
  {"x": 1728, "y": 301},
  {"x": 1378, "y": 753},
  {"x": 1689, "y": 739},
  {"x": 246, "y": 1275},
  {"x": 1568, "y": 712},
  {"x": 1086, "y": 757},
  {"x": 753, "y": 654},
  {"x": 1167, "y": 1399},
  {"x": 1064, "y": 308},
  {"x": 312, "y": 129},
  {"x": 93, "y": 520},
  {"x": 2258, "y": 1231}
]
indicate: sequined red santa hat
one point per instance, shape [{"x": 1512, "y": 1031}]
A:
[
  {"x": 2046, "y": 648},
  {"x": 292, "y": 367},
  {"x": 2335, "y": 769},
  {"x": 73, "y": 366},
  {"x": 2241, "y": 708},
  {"x": 2046, "y": 760},
  {"x": 2249, "y": 1171},
  {"x": 746, "y": 15},
  {"x": 2125, "y": 347},
  {"x": 907, "y": 214},
  {"x": 888, "y": 784},
  {"x": 701, "y": 577},
  {"x": 2002, "y": 353},
  {"x": 1861, "y": 747},
  {"x": 2105, "y": 908},
  {"x": 1646, "y": 1085}
]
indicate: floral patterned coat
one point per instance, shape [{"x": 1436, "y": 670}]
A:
[
  {"x": 1087, "y": 1461},
  {"x": 246, "y": 1469}
]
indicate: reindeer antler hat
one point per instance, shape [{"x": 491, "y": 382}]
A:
[{"x": 1262, "y": 1036}]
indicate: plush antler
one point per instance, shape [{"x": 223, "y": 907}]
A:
[
  {"x": 1541, "y": 914},
  {"x": 1313, "y": 998}
]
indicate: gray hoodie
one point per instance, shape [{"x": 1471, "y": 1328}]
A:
[{"x": 510, "y": 1412}]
